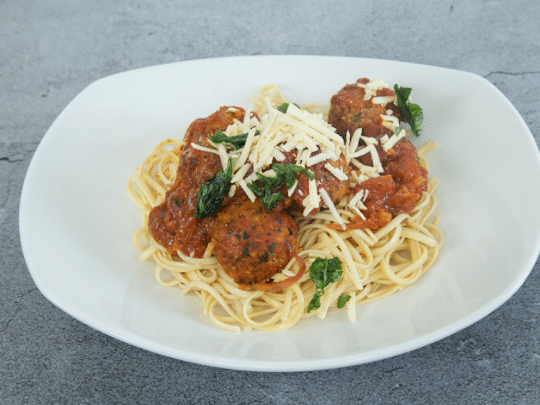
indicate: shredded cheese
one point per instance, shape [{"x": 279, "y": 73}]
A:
[
  {"x": 312, "y": 141},
  {"x": 251, "y": 195},
  {"x": 223, "y": 156},
  {"x": 389, "y": 144},
  {"x": 382, "y": 100},
  {"x": 338, "y": 173},
  {"x": 328, "y": 201},
  {"x": 358, "y": 197},
  {"x": 321, "y": 157},
  {"x": 239, "y": 175},
  {"x": 369, "y": 171},
  {"x": 355, "y": 140},
  {"x": 232, "y": 190},
  {"x": 245, "y": 151},
  {"x": 204, "y": 149}
]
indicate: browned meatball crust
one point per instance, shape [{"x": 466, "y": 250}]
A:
[{"x": 252, "y": 245}]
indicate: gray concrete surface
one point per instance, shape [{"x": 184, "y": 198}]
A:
[{"x": 51, "y": 50}]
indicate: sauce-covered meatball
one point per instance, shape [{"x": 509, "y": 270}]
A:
[
  {"x": 351, "y": 109},
  {"x": 251, "y": 244},
  {"x": 403, "y": 181},
  {"x": 172, "y": 223}
]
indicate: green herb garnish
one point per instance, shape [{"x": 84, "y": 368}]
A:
[
  {"x": 284, "y": 107},
  {"x": 262, "y": 189},
  {"x": 237, "y": 141},
  {"x": 213, "y": 191},
  {"x": 342, "y": 300},
  {"x": 411, "y": 112},
  {"x": 287, "y": 173},
  {"x": 323, "y": 272},
  {"x": 265, "y": 187}
]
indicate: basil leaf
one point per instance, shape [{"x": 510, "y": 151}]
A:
[
  {"x": 213, "y": 191},
  {"x": 284, "y": 107},
  {"x": 264, "y": 187},
  {"x": 411, "y": 112},
  {"x": 237, "y": 141},
  {"x": 417, "y": 117},
  {"x": 288, "y": 172},
  {"x": 315, "y": 302},
  {"x": 342, "y": 300},
  {"x": 268, "y": 198},
  {"x": 323, "y": 272}
]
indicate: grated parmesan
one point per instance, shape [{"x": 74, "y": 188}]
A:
[
  {"x": 328, "y": 201},
  {"x": 311, "y": 140},
  {"x": 389, "y": 144},
  {"x": 251, "y": 195},
  {"x": 338, "y": 173}
]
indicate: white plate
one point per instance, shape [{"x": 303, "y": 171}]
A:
[{"x": 76, "y": 219}]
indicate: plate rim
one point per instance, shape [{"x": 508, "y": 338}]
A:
[{"x": 277, "y": 365}]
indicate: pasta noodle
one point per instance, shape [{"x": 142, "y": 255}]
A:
[{"x": 376, "y": 264}]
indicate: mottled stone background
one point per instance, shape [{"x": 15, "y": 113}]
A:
[{"x": 50, "y": 50}]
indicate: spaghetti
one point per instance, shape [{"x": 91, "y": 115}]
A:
[{"x": 376, "y": 262}]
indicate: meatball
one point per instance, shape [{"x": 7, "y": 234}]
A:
[
  {"x": 197, "y": 166},
  {"x": 335, "y": 187},
  {"x": 252, "y": 245},
  {"x": 349, "y": 110},
  {"x": 171, "y": 223},
  {"x": 403, "y": 180},
  {"x": 405, "y": 169}
]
